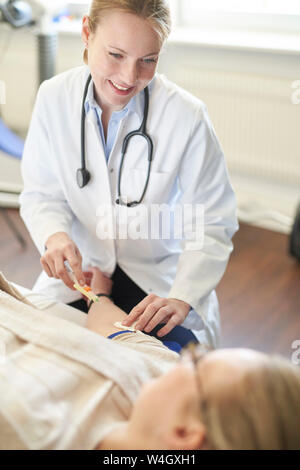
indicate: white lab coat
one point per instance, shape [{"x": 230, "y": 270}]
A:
[{"x": 188, "y": 168}]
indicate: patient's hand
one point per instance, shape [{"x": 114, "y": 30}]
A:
[{"x": 98, "y": 282}]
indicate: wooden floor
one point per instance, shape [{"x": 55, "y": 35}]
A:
[{"x": 259, "y": 294}]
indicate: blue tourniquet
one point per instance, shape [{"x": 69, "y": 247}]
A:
[{"x": 170, "y": 344}]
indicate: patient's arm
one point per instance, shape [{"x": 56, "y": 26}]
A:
[{"x": 102, "y": 316}]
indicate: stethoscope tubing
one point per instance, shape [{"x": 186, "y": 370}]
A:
[{"x": 83, "y": 176}]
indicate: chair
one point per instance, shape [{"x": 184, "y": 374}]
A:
[{"x": 12, "y": 145}]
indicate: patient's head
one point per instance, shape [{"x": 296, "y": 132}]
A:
[{"x": 226, "y": 399}]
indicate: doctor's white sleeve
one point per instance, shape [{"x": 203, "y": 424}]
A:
[
  {"x": 203, "y": 180},
  {"x": 42, "y": 203}
]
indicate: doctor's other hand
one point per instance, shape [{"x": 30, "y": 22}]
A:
[
  {"x": 60, "y": 248},
  {"x": 153, "y": 310},
  {"x": 98, "y": 282}
]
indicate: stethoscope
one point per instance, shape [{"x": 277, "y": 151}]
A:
[{"x": 83, "y": 175}]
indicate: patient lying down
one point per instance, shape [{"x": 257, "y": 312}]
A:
[{"x": 223, "y": 399}]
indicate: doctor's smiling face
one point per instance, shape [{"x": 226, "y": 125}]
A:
[{"x": 122, "y": 57}]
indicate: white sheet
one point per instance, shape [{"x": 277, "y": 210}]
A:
[{"x": 61, "y": 385}]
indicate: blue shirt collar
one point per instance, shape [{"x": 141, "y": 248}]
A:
[{"x": 135, "y": 105}]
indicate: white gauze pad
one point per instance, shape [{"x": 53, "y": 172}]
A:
[{"x": 118, "y": 324}]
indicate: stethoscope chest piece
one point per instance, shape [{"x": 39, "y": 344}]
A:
[{"x": 83, "y": 176}]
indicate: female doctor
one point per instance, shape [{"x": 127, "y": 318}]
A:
[{"x": 75, "y": 166}]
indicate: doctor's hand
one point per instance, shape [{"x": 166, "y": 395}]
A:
[
  {"x": 60, "y": 248},
  {"x": 153, "y": 310}
]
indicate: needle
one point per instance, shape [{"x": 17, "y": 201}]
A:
[{"x": 85, "y": 290}]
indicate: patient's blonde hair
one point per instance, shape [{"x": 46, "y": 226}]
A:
[
  {"x": 155, "y": 11},
  {"x": 261, "y": 411}
]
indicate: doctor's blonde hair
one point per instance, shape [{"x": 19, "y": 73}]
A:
[{"x": 155, "y": 11}]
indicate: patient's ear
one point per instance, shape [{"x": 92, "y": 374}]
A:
[{"x": 186, "y": 437}]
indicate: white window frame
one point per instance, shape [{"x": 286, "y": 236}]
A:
[
  {"x": 247, "y": 31},
  {"x": 237, "y": 21}
]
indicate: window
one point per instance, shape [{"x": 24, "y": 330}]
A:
[
  {"x": 274, "y": 16},
  {"x": 263, "y": 15},
  {"x": 281, "y": 7}
]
